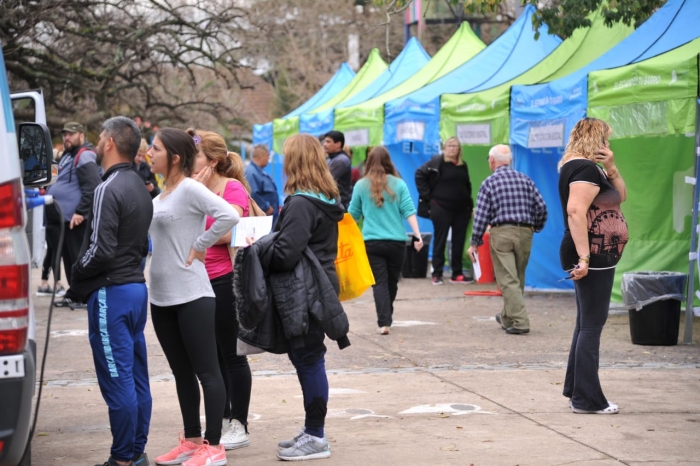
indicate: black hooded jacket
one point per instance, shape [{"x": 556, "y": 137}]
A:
[
  {"x": 121, "y": 215},
  {"x": 288, "y": 277},
  {"x": 307, "y": 221}
]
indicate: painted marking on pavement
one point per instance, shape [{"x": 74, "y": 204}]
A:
[
  {"x": 455, "y": 409},
  {"x": 354, "y": 414},
  {"x": 410, "y": 323},
  {"x": 485, "y": 318},
  {"x": 69, "y": 333}
]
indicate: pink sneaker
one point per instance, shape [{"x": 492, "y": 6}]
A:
[
  {"x": 180, "y": 453},
  {"x": 207, "y": 455}
]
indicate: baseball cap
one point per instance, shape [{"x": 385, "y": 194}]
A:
[{"x": 73, "y": 127}]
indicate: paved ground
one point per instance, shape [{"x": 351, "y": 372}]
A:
[{"x": 446, "y": 387}]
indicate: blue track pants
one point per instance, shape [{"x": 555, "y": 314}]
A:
[{"x": 116, "y": 319}]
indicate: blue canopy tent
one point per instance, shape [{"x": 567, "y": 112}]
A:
[
  {"x": 263, "y": 134},
  {"x": 412, "y": 122},
  {"x": 411, "y": 59},
  {"x": 542, "y": 116}
]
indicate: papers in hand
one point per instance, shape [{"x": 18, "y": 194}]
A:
[
  {"x": 250, "y": 227},
  {"x": 477, "y": 267}
]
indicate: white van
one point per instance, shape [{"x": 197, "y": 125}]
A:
[{"x": 24, "y": 162}]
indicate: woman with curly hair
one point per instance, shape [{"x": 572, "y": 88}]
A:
[{"x": 594, "y": 238}]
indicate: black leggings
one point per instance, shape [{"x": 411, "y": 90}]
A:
[
  {"x": 186, "y": 334},
  {"x": 234, "y": 369}
]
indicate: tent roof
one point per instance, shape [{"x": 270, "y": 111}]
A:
[
  {"x": 340, "y": 79},
  {"x": 262, "y": 133},
  {"x": 672, "y": 25},
  {"x": 671, "y": 75},
  {"x": 584, "y": 46},
  {"x": 512, "y": 53},
  {"x": 411, "y": 59},
  {"x": 461, "y": 47},
  {"x": 371, "y": 70}
]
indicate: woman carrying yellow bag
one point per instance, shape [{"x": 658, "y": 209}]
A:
[{"x": 382, "y": 199}]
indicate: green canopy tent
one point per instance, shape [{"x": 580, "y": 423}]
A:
[
  {"x": 461, "y": 47},
  {"x": 651, "y": 107},
  {"x": 282, "y": 128},
  {"x": 481, "y": 119}
]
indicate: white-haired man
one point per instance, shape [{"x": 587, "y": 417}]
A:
[{"x": 510, "y": 202}]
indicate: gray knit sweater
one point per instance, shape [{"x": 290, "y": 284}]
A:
[{"x": 177, "y": 226}]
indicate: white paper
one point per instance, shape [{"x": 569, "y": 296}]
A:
[
  {"x": 250, "y": 227},
  {"x": 477, "y": 267}
]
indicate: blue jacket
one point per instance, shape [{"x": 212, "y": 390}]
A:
[
  {"x": 75, "y": 185},
  {"x": 263, "y": 189}
]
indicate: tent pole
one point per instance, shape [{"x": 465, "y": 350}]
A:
[{"x": 689, "y": 312}]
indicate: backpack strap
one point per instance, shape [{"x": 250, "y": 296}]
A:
[{"x": 77, "y": 156}]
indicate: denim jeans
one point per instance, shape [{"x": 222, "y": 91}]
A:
[
  {"x": 310, "y": 364},
  {"x": 386, "y": 260},
  {"x": 582, "y": 384}
]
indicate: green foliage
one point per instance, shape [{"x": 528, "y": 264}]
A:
[{"x": 562, "y": 16}]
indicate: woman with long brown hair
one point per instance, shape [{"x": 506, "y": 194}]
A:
[
  {"x": 183, "y": 304},
  {"x": 309, "y": 218},
  {"x": 223, "y": 173},
  {"x": 445, "y": 193},
  {"x": 383, "y": 201},
  {"x": 594, "y": 238}
]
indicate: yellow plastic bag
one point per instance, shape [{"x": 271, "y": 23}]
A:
[{"x": 352, "y": 265}]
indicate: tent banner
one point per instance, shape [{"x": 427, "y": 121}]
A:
[
  {"x": 676, "y": 116},
  {"x": 477, "y": 133},
  {"x": 316, "y": 124},
  {"x": 411, "y": 121},
  {"x": 362, "y": 128},
  {"x": 262, "y": 134},
  {"x": 652, "y": 80},
  {"x": 476, "y": 119},
  {"x": 282, "y": 129}
]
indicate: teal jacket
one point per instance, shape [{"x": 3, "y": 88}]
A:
[{"x": 385, "y": 222}]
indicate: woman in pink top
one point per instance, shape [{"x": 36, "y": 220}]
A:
[{"x": 223, "y": 173}]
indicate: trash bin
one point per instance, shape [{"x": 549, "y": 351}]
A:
[
  {"x": 415, "y": 263},
  {"x": 654, "y": 303}
]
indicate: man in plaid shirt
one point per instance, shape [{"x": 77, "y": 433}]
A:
[{"x": 510, "y": 202}]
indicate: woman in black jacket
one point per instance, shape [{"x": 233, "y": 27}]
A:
[
  {"x": 446, "y": 198},
  {"x": 309, "y": 217}
]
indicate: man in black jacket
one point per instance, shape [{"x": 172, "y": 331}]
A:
[
  {"x": 109, "y": 277},
  {"x": 339, "y": 165},
  {"x": 78, "y": 175}
]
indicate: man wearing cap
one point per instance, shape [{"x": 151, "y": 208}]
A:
[{"x": 73, "y": 191}]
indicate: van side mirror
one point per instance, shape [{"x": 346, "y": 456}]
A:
[{"x": 36, "y": 153}]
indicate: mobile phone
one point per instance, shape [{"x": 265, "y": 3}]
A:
[{"x": 414, "y": 239}]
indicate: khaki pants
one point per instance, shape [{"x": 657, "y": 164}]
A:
[{"x": 510, "y": 251}]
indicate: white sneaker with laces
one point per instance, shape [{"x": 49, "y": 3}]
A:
[{"x": 235, "y": 436}]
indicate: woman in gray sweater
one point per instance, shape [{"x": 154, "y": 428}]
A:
[{"x": 182, "y": 299}]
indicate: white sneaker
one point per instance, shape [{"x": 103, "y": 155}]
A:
[
  {"x": 224, "y": 427},
  {"x": 235, "y": 436}
]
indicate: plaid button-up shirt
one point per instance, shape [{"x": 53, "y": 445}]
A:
[{"x": 507, "y": 196}]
